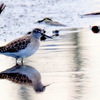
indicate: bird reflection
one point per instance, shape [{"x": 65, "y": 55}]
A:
[{"x": 25, "y": 75}]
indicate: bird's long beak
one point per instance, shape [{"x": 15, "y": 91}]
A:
[{"x": 46, "y": 35}]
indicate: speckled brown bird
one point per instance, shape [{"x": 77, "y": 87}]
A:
[{"x": 24, "y": 46}]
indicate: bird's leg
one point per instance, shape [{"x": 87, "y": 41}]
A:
[
  {"x": 16, "y": 60},
  {"x": 22, "y": 61}
]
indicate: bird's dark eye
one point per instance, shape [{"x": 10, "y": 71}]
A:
[{"x": 44, "y": 31}]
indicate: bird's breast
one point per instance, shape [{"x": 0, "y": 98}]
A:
[{"x": 29, "y": 50}]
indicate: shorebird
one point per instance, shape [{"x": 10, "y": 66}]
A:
[
  {"x": 24, "y": 46},
  {"x": 25, "y": 75},
  {"x": 49, "y": 21},
  {"x": 95, "y": 29},
  {"x": 2, "y": 7}
]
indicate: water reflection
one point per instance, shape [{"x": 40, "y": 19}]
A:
[
  {"x": 24, "y": 74},
  {"x": 86, "y": 69},
  {"x": 24, "y": 93},
  {"x": 71, "y": 62},
  {"x": 77, "y": 76}
]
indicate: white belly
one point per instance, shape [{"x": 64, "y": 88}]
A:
[{"x": 28, "y": 51}]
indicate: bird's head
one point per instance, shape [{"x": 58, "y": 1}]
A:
[
  {"x": 40, "y": 88},
  {"x": 38, "y": 33},
  {"x": 45, "y": 19}
]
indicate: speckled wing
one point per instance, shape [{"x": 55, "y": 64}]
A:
[
  {"x": 16, "y": 78},
  {"x": 15, "y": 45}
]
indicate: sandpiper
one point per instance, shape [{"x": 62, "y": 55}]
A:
[
  {"x": 95, "y": 29},
  {"x": 49, "y": 21},
  {"x": 25, "y": 75},
  {"x": 24, "y": 46},
  {"x": 2, "y": 7}
]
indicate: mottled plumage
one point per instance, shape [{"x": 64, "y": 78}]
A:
[
  {"x": 16, "y": 45},
  {"x": 24, "y": 46},
  {"x": 25, "y": 75},
  {"x": 16, "y": 78}
]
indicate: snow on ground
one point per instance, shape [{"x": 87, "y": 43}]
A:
[{"x": 20, "y": 16}]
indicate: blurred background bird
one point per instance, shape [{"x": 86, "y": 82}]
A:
[{"x": 49, "y": 21}]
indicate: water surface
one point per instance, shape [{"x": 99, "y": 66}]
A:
[{"x": 70, "y": 63}]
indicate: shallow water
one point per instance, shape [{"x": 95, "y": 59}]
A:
[{"x": 69, "y": 62}]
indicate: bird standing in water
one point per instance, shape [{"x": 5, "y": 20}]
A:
[{"x": 25, "y": 46}]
